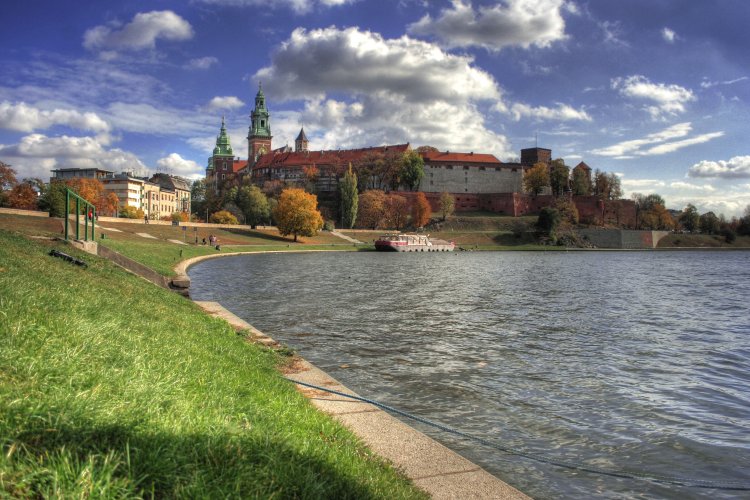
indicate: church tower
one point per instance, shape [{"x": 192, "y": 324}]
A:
[
  {"x": 301, "y": 142},
  {"x": 259, "y": 136},
  {"x": 220, "y": 162}
]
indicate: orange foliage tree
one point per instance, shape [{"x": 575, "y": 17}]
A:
[
  {"x": 23, "y": 197},
  {"x": 420, "y": 210},
  {"x": 371, "y": 212},
  {"x": 297, "y": 213},
  {"x": 93, "y": 191},
  {"x": 397, "y": 210}
]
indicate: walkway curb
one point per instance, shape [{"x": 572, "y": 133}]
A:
[{"x": 441, "y": 472}]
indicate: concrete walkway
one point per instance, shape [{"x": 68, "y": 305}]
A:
[
  {"x": 347, "y": 238},
  {"x": 431, "y": 466}
]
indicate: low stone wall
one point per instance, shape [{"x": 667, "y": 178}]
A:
[
  {"x": 134, "y": 267},
  {"x": 622, "y": 238},
  {"x": 29, "y": 213},
  {"x": 124, "y": 220}
]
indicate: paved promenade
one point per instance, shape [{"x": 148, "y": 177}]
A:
[{"x": 439, "y": 471}]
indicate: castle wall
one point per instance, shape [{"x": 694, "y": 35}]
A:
[{"x": 476, "y": 180}]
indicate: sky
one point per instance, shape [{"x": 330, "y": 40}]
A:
[{"x": 656, "y": 91}]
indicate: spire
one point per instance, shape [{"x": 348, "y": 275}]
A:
[
  {"x": 301, "y": 136},
  {"x": 223, "y": 147},
  {"x": 301, "y": 142}
]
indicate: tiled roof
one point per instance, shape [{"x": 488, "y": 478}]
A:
[
  {"x": 238, "y": 165},
  {"x": 583, "y": 165},
  {"x": 452, "y": 157},
  {"x": 340, "y": 156}
]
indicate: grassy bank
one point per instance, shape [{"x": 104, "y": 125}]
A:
[{"x": 112, "y": 387}]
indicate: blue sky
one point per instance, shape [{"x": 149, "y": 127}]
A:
[{"x": 656, "y": 91}]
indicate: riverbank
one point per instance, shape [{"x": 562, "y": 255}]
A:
[{"x": 113, "y": 387}]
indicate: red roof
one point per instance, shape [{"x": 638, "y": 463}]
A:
[
  {"x": 238, "y": 165},
  {"x": 583, "y": 166},
  {"x": 452, "y": 157},
  {"x": 334, "y": 157}
]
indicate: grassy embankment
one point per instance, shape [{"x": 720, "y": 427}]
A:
[{"x": 111, "y": 387}]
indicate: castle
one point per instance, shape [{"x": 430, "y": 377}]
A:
[{"x": 477, "y": 181}]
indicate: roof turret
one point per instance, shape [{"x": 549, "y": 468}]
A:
[{"x": 223, "y": 147}]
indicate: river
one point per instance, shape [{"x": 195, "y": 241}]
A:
[{"x": 615, "y": 360}]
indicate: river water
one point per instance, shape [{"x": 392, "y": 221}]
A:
[{"x": 616, "y": 360}]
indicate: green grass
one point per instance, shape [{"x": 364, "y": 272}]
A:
[{"x": 113, "y": 388}]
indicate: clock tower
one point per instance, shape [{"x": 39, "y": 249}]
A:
[{"x": 259, "y": 136}]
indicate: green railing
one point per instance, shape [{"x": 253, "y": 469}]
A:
[{"x": 89, "y": 215}]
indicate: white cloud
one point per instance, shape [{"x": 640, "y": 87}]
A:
[
  {"x": 562, "y": 112},
  {"x": 708, "y": 188},
  {"x": 668, "y": 99},
  {"x": 668, "y": 35},
  {"x": 225, "y": 102},
  {"x": 630, "y": 185},
  {"x": 36, "y": 154},
  {"x": 664, "y": 143},
  {"x": 148, "y": 119},
  {"x": 24, "y": 118},
  {"x": 707, "y": 84},
  {"x": 522, "y": 23},
  {"x": 298, "y": 6},
  {"x": 140, "y": 33},
  {"x": 386, "y": 91},
  {"x": 736, "y": 168},
  {"x": 202, "y": 62},
  {"x": 177, "y": 165}
]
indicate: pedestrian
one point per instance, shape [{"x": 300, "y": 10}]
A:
[{"x": 145, "y": 219}]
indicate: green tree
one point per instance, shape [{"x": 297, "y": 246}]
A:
[
  {"x": 254, "y": 205},
  {"x": 447, "y": 205},
  {"x": 536, "y": 178},
  {"x": 198, "y": 196},
  {"x": 53, "y": 200},
  {"x": 412, "y": 170},
  {"x": 349, "y": 198},
  {"x": 690, "y": 219},
  {"x": 709, "y": 223},
  {"x": 558, "y": 177},
  {"x": 580, "y": 183},
  {"x": 297, "y": 213},
  {"x": 548, "y": 222},
  {"x": 420, "y": 210}
]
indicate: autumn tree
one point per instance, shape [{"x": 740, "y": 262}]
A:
[
  {"x": 420, "y": 210},
  {"x": 607, "y": 186},
  {"x": 446, "y": 205},
  {"x": 568, "y": 212},
  {"x": 371, "y": 211},
  {"x": 536, "y": 178},
  {"x": 396, "y": 210},
  {"x": 412, "y": 170},
  {"x": 650, "y": 212},
  {"x": 107, "y": 203},
  {"x": 23, "y": 197},
  {"x": 312, "y": 176},
  {"x": 297, "y": 213},
  {"x": 369, "y": 170},
  {"x": 7, "y": 182},
  {"x": 427, "y": 149},
  {"x": 349, "y": 198},
  {"x": 690, "y": 219},
  {"x": 224, "y": 217},
  {"x": 130, "y": 212},
  {"x": 580, "y": 183},
  {"x": 253, "y": 204},
  {"x": 558, "y": 177}
]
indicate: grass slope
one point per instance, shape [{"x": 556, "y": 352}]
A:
[{"x": 111, "y": 387}]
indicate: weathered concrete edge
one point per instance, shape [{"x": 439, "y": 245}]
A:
[{"x": 431, "y": 466}]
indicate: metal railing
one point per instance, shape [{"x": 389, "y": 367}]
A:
[{"x": 89, "y": 215}]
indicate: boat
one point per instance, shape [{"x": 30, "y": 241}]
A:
[{"x": 412, "y": 243}]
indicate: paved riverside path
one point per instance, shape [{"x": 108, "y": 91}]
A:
[
  {"x": 347, "y": 238},
  {"x": 442, "y": 473}
]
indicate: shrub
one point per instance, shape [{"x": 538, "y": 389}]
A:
[
  {"x": 223, "y": 217},
  {"x": 131, "y": 213}
]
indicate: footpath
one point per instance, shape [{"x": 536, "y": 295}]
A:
[{"x": 442, "y": 473}]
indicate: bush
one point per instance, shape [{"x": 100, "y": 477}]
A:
[
  {"x": 179, "y": 217},
  {"x": 223, "y": 217},
  {"x": 131, "y": 213},
  {"x": 329, "y": 225},
  {"x": 728, "y": 234},
  {"x": 548, "y": 222}
]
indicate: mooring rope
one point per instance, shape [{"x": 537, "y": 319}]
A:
[{"x": 679, "y": 481}]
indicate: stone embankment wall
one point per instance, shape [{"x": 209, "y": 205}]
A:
[
  {"x": 622, "y": 239},
  {"x": 169, "y": 223},
  {"x": 134, "y": 267}
]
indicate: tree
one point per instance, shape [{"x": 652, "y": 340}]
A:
[
  {"x": 130, "y": 212},
  {"x": 412, "y": 170},
  {"x": 568, "y": 212},
  {"x": 371, "y": 211},
  {"x": 420, "y": 210},
  {"x": 558, "y": 177},
  {"x": 7, "y": 178},
  {"x": 690, "y": 218},
  {"x": 198, "y": 197},
  {"x": 224, "y": 217},
  {"x": 656, "y": 217},
  {"x": 297, "y": 213},
  {"x": 607, "y": 186},
  {"x": 23, "y": 197},
  {"x": 548, "y": 222},
  {"x": 709, "y": 223},
  {"x": 349, "y": 198},
  {"x": 536, "y": 178},
  {"x": 107, "y": 204},
  {"x": 427, "y": 149},
  {"x": 254, "y": 205},
  {"x": 580, "y": 184},
  {"x": 370, "y": 169},
  {"x": 446, "y": 205},
  {"x": 615, "y": 187},
  {"x": 397, "y": 211},
  {"x": 312, "y": 175}
]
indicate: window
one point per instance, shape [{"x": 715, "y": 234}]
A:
[
  {"x": 497, "y": 169},
  {"x": 449, "y": 167}
]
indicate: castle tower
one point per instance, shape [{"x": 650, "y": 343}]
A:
[
  {"x": 301, "y": 142},
  {"x": 259, "y": 136},
  {"x": 220, "y": 162}
]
